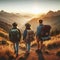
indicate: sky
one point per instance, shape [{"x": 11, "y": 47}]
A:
[{"x": 29, "y": 6}]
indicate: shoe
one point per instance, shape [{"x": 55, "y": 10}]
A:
[
  {"x": 16, "y": 55},
  {"x": 38, "y": 51},
  {"x": 14, "y": 52},
  {"x": 27, "y": 54}
]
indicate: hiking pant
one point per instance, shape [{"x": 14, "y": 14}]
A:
[
  {"x": 28, "y": 47},
  {"x": 40, "y": 44},
  {"x": 16, "y": 47}
]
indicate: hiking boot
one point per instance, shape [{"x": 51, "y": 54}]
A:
[
  {"x": 14, "y": 52},
  {"x": 38, "y": 51},
  {"x": 16, "y": 55},
  {"x": 27, "y": 54}
]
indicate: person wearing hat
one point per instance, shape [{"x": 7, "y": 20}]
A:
[
  {"x": 28, "y": 36},
  {"x": 15, "y": 36}
]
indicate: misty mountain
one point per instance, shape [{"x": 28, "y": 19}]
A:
[
  {"x": 14, "y": 17},
  {"x": 7, "y": 19},
  {"x": 51, "y": 14},
  {"x": 51, "y": 18}
]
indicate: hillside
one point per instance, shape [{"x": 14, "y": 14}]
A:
[
  {"x": 3, "y": 34},
  {"x": 9, "y": 18},
  {"x": 51, "y": 18},
  {"x": 5, "y": 26},
  {"x": 50, "y": 50}
]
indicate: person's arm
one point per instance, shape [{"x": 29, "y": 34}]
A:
[
  {"x": 24, "y": 34},
  {"x": 19, "y": 34},
  {"x": 37, "y": 32}
]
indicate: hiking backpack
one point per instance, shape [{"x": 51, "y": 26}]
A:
[
  {"x": 14, "y": 35},
  {"x": 45, "y": 32},
  {"x": 30, "y": 36}
]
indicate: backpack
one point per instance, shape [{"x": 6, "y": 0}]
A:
[
  {"x": 45, "y": 32},
  {"x": 30, "y": 36},
  {"x": 14, "y": 35}
]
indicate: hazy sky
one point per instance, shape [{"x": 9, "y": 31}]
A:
[{"x": 29, "y": 6}]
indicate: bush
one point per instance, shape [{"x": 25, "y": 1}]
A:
[
  {"x": 49, "y": 47},
  {"x": 53, "y": 46},
  {"x": 3, "y": 58},
  {"x": 58, "y": 53},
  {"x": 4, "y": 36},
  {"x": 21, "y": 58}
]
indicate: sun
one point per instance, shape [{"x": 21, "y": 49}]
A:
[{"x": 36, "y": 10}]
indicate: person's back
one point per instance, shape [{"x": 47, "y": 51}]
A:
[
  {"x": 14, "y": 33},
  {"x": 28, "y": 34},
  {"x": 15, "y": 36},
  {"x": 27, "y": 25},
  {"x": 28, "y": 37},
  {"x": 43, "y": 32},
  {"x": 39, "y": 28},
  {"x": 38, "y": 33}
]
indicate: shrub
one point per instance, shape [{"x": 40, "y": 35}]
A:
[{"x": 58, "y": 53}]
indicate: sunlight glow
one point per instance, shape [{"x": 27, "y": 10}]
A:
[{"x": 36, "y": 10}]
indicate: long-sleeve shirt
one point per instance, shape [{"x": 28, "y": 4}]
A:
[
  {"x": 24, "y": 34},
  {"x": 39, "y": 29}
]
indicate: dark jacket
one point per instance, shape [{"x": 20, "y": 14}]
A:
[{"x": 14, "y": 35}]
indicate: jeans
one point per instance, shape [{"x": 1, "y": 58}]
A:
[
  {"x": 28, "y": 47},
  {"x": 16, "y": 47}
]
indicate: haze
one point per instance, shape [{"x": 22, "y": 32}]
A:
[{"x": 29, "y": 6}]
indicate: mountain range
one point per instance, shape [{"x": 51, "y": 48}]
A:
[
  {"x": 52, "y": 18},
  {"x": 6, "y": 19}
]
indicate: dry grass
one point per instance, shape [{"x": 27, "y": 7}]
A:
[{"x": 51, "y": 46}]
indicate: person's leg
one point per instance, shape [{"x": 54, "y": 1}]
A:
[
  {"x": 14, "y": 47},
  {"x": 41, "y": 45},
  {"x": 28, "y": 47},
  {"x": 17, "y": 47},
  {"x": 38, "y": 45}
]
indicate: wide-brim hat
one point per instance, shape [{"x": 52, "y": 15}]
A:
[
  {"x": 27, "y": 25},
  {"x": 14, "y": 24}
]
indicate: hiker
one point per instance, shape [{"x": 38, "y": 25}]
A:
[
  {"x": 42, "y": 34},
  {"x": 15, "y": 36},
  {"x": 28, "y": 36}
]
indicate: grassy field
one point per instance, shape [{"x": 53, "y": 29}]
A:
[{"x": 51, "y": 48}]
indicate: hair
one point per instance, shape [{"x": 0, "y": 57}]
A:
[{"x": 40, "y": 21}]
